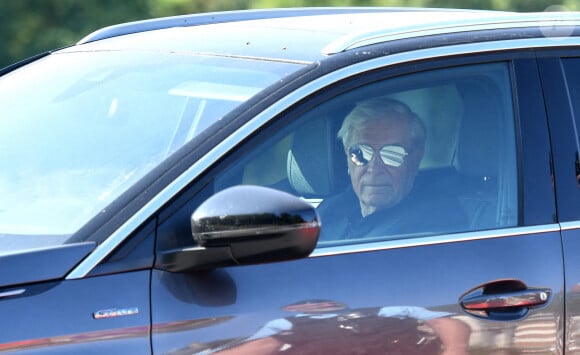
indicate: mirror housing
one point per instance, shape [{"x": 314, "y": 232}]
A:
[{"x": 245, "y": 225}]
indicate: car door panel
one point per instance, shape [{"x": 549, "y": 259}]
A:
[
  {"x": 559, "y": 71},
  {"x": 432, "y": 277}
]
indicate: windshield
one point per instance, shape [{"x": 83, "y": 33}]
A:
[{"x": 78, "y": 129}]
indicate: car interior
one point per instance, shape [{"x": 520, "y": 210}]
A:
[{"x": 470, "y": 148}]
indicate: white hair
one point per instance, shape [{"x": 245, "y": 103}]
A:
[{"x": 382, "y": 108}]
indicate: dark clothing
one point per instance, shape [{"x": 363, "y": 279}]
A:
[{"x": 419, "y": 213}]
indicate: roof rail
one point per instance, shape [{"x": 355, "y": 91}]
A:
[
  {"x": 226, "y": 16},
  {"x": 549, "y": 24}
]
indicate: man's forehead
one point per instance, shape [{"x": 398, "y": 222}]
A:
[{"x": 382, "y": 131}]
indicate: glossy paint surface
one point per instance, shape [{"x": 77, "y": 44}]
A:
[
  {"x": 228, "y": 308},
  {"x": 61, "y": 317}
]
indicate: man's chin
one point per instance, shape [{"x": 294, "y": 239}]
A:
[
  {"x": 379, "y": 199},
  {"x": 371, "y": 206}
]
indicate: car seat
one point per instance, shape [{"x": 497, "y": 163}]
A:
[
  {"x": 479, "y": 159},
  {"x": 316, "y": 163}
]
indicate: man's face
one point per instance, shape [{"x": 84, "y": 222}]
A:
[{"x": 377, "y": 185}]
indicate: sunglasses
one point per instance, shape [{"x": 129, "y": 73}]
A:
[{"x": 362, "y": 154}]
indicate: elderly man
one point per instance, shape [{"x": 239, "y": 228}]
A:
[{"x": 384, "y": 142}]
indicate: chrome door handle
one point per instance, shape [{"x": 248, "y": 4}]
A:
[
  {"x": 526, "y": 298},
  {"x": 505, "y": 305}
]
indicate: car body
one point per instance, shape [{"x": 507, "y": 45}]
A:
[{"x": 162, "y": 183}]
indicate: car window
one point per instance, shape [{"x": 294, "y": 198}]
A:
[
  {"x": 571, "y": 68},
  {"x": 78, "y": 129},
  {"x": 565, "y": 109},
  {"x": 465, "y": 178}
]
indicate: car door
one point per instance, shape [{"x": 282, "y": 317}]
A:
[
  {"x": 560, "y": 70},
  {"x": 481, "y": 274}
]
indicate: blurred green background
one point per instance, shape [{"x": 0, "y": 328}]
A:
[{"x": 29, "y": 27}]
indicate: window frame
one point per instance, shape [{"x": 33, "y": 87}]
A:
[{"x": 536, "y": 201}]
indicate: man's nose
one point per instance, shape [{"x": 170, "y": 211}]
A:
[{"x": 376, "y": 164}]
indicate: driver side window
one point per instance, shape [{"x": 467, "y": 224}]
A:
[{"x": 422, "y": 154}]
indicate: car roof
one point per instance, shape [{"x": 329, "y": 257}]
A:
[{"x": 309, "y": 34}]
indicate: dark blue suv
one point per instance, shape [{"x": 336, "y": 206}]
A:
[{"x": 299, "y": 181}]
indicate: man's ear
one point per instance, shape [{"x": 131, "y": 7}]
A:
[
  {"x": 346, "y": 155},
  {"x": 416, "y": 157}
]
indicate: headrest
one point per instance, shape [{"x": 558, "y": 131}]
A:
[
  {"x": 479, "y": 144},
  {"x": 316, "y": 163}
]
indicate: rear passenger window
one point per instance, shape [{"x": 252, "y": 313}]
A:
[
  {"x": 421, "y": 154},
  {"x": 571, "y": 68}
]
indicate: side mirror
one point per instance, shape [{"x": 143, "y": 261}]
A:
[{"x": 246, "y": 225}]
